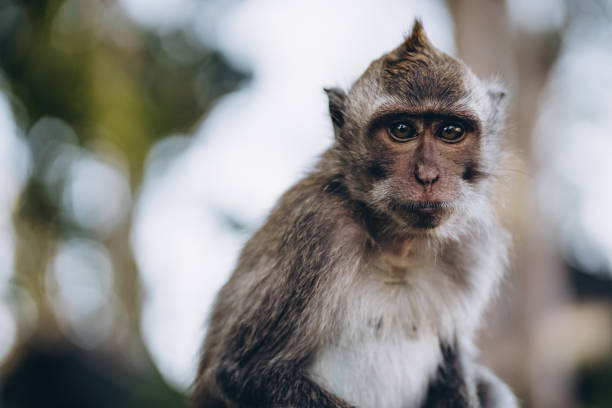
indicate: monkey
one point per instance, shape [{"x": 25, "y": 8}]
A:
[{"x": 366, "y": 283}]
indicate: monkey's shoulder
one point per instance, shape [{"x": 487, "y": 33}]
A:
[
  {"x": 320, "y": 196},
  {"x": 313, "y": 216}
]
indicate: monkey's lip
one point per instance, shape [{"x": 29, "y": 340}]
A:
[
  {"x": 425, "y": 214},
  {"x": 426, "y": 207}
]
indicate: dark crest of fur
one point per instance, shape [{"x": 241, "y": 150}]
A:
[
  {"x": 417, "y": 39},
  {"x": 417, "y": 70}
]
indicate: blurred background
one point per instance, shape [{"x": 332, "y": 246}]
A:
[{"x": 142, "y": 142}]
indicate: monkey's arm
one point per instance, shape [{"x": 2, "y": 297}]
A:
[
  {"x": 492, "y": 392},
  {"x": 452, "y": 387},
  {"x": 457, "y": 387},
  {"x": 270, "y": 317}
]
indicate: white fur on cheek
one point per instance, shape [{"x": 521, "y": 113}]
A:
[{"x": 381, "y": 191}]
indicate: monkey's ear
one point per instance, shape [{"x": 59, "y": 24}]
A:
[
  {"x": 497, "y": 96},
  {"x": 337, "y": 100}
]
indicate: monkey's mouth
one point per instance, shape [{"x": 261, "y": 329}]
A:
[
  {"x": 424, "y": 214},
  {"x": 426, "y": 206}
]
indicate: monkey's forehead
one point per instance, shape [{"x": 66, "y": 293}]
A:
[
  {"x": 422, "y": 77},
  {"x": 438, "y": 84}
]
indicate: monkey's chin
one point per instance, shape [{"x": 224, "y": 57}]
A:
[{"x": 427, "y": 221}]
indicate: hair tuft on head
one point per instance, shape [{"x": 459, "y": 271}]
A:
[{"x": 417, "y": 39}]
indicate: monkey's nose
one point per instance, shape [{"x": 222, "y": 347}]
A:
[{"x": 426, "y": 174}]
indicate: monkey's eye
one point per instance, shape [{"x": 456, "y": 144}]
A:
[
  {"x": 401, "y": 131},
  {"x": 451, "y": 132}
]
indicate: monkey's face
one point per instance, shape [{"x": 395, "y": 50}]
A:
[
  {"x": 419, "y": 147},
  {"x": 417, "y": 135},
  {"x": 426, "y": 165}
]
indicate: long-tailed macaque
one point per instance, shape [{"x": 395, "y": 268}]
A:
[{"x": 366, "y": 283}]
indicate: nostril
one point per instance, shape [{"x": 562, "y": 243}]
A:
[{"x": 426, "y": 174}]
